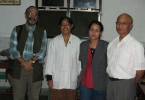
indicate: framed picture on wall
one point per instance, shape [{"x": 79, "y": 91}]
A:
[{"x": 10, "y": 2}]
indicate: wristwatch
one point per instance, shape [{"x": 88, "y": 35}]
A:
[{"x": 33, "y": 61}]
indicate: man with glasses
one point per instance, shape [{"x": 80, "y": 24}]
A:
[
  {"x": 126, "y": 62},
  {"x": 28, "y": 45}
]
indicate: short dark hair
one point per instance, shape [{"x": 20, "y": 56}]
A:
[
  {"x": 65, "y": 18},
  {"x": 31, "y": 7},
  {"x": 98, "y": 23}
]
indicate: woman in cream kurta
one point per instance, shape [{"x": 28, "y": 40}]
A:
[{"x": 62, "y": 63}]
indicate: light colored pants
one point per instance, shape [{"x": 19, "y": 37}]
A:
[
  {"x": 121, "y": 90},
  {"x": 25, "y": 85}
]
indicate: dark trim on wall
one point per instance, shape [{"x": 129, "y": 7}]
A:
[{"x": 36, "y": 3}]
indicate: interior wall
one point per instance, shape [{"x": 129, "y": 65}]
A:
[
  {"x": 11, "y": 16},
  {"x": 14, "y": 15},
  {"x": 111, "y": 9}
]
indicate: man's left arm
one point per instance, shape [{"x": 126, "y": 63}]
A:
[
  {"x": 139, "y": 75},
  {"x": 139, "y": 62},
  {"x": 41, "y": 54}
]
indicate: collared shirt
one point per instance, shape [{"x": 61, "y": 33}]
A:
[
  {"x": 62, "y": 62},
  {"x": 28, "y": 50},
  {"x": 125, "y": 57}
]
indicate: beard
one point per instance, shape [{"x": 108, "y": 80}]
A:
[{"x": 31, "y": 21}]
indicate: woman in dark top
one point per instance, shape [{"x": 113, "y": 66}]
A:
[{"x": 93, "y": 77}]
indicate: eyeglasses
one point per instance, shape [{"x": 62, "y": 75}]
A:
[
  {"x": 67, "y": 24},
  {"x": 123, "y": 23},
  {"x": 32, "y": 14}
]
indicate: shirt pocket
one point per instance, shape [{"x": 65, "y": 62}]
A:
[{"x": 123, "y": 60}]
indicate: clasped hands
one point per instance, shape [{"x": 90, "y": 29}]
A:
[{"x": 27, "y": 65}]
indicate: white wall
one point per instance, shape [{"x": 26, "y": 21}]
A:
[
  {"x": 111, "y": 9},
  {"x": 11, "y": 16}
]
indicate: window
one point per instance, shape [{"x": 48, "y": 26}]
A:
[
  {"x": 81, "y": 20},
  {"x": 85, "y": 3},
  {"x": 82, "y": 12},
  {"x": 59, "y": 3},
  {"x": 49, "y": 21}
]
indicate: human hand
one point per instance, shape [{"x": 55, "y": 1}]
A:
[
  {"x": 50, "y": 83},
  {"x": 27, "y": 65}
]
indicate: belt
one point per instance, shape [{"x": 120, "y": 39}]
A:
[{"x": 114, "y": 79}]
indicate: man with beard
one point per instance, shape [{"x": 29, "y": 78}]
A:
[{"x": 28, "y": 45}]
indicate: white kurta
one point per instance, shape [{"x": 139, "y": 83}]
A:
[{"x": 62, "y": 62}]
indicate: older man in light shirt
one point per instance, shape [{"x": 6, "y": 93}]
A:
[{"x": 126, "y": 62}]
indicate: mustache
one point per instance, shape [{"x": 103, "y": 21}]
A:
[
  {"x": 32, "y": 21},
  {"x": 28, "y": 19}
]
